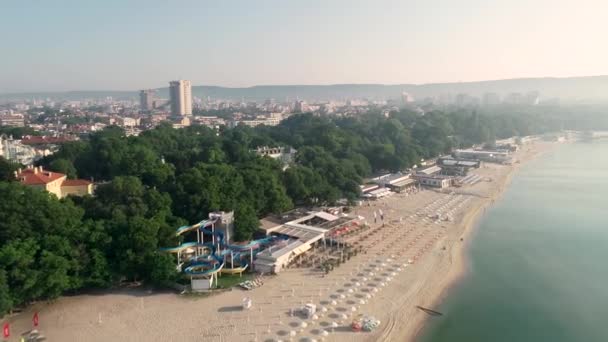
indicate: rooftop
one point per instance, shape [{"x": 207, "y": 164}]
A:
[
  {"x": 37, "y": 176},
  {"x": 36, "y": 140},
  {"x": 429, "y": 170},
  {"x": 75, "y": 182}
]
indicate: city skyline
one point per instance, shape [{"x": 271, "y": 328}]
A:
[{"x": 127, "y": 46}]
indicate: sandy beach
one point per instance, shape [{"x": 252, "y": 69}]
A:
[{"x": 409, "y": 260}]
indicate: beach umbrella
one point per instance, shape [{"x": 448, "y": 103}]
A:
[
  {"x": 324, "y": 333},
  {"x": 353, "y": 309},
  {"x": 323, "y": 309},
  {"x": 334, "y": 324},
  {"x": 303, "y": 324},
  {"x": 315, "y": 317},
  {"x": 333, "y": 302},
  {"x": 368, "y": 296},
  {"x": 350, "y": 290},
  {"x": 361, "y": 301},
  {"x": 292, "y": 333},
  {"x": 342, "y": 296},
  {"x": 344, "y": 316}
]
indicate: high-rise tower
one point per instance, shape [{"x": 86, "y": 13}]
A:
[
  {"x": 181, "y": 97},
  {"x": 146, "y": 99}
]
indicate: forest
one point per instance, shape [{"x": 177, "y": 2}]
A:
[{"x": 152, "y": 183}]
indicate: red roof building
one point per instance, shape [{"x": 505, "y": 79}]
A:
[
  {"x": 54, "y": 182},
  {"x": 42, "y": 140}
]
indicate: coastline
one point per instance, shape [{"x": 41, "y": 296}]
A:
[
  {"x": 439, "y": 261},
  {"x": 458, "y": 252}
]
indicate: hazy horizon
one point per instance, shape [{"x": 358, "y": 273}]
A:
[
  {"x": 311, "y": 84},
  {"x": 129, "y": 45}
]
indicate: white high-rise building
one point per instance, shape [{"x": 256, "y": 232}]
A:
[{"x": 181, "y": 97}]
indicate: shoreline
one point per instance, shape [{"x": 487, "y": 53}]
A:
[
  {"x": 459, "y": 253},
  {"x": 438, "y": 257}
]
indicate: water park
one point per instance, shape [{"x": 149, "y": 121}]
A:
[
  {"x": 206, "y": 258},
  {"x": 206, "y": 250}
]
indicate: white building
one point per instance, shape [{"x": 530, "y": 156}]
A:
[
  {"x": 302, "y": 231},
  {"x": 15, "y": 151},
  {"x": 256, "y": 122},
  {"x": 181, "y": 97},
  {"x": 284, "y": 154},
  {"x": 436, "y": 181},
  {"x": 12, "y": 120}
]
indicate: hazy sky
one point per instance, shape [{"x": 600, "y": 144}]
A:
[{"x": 124, "y": 45}]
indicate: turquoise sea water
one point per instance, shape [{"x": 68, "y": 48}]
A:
[{"x": 539, "y": 257}]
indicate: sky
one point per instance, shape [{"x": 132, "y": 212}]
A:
[{"x": 65, "y": 45}]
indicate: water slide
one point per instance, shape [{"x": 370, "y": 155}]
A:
[
  {"x": 208, "y": 264},
  {"x": 213, "y": 261},
  {"x": 212, "y": 265},
  {"x": 183, "y": 246},
  {"x": 203, "y": 224}
]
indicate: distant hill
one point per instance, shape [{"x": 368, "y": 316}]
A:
[{"x": 591, "y": 88}]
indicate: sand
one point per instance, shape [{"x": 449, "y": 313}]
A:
[{"x": 410, "y": 260}]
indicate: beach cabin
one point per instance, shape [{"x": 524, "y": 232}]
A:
[{"x": 435, "y": 181}]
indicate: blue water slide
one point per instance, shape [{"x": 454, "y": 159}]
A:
[
  {"x": 217, "y": 233},
  {"x": 181, "y": 247},
  {"x": 211, "y": 266}
]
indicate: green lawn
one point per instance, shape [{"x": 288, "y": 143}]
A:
[{"x": 225, "y": 281}]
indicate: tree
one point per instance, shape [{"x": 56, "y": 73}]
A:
[
  {"x": 64, "y": 166},
  {"x": 6, "y": 302},
  {"x": 245, "y": 222},
  {"x": 162, "y": 270},
  {"x": 7, "y": 170}
]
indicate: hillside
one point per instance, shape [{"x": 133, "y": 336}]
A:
[{"x": 591, "y": 88}]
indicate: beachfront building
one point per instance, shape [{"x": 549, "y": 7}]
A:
[
  {"x": 367, "y": 188},
  {"x": 53, "y": 182},
  {"x": 457, "y": 167},
  {"x": 502, "y": 157},
  {"x": 429, "y": 170},
  {"x": 378, "y": 193},
  {"x": 302, "y": 229},
  {"x": 435, "y": 181},
  {"x": 396, "y": 182}
]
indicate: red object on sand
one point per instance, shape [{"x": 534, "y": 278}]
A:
[
  {"x": 35, "y": 319},
  {"x": 6, "y": 332}
]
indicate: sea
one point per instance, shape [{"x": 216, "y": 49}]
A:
[{"x": 538, "y": 260}]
